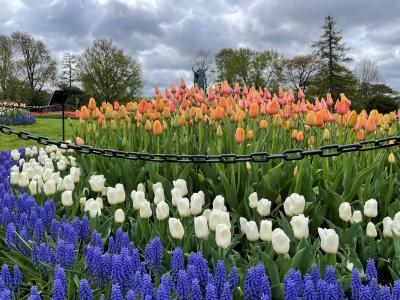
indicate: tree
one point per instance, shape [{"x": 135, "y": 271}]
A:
[
  {"x": 107, "y": 73},
  {"x": 333, "y": 76},
  {"x": 367, "y": 74},
  {"x": 37, "y": 65},
  {"x": 301, "y": 70},
  {"x": 69, "y": 69},
  {"x": 249, "y": 67},
  {"x": 7, "y": 67}
]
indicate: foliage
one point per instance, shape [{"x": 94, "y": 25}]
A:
[{"x": 107, "y": 72}]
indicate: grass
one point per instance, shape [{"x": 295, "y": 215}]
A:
[{"x": 51, "y": 128}]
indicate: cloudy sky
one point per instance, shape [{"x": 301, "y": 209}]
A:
[{"x": 164, "y": 34}]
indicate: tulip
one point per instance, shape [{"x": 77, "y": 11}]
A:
[
  {"x": 15, "y": 155},
  {"x": 141, "y": 188},
  {"x": 66, "y": 199},
  {"x": 116, "y": 195},
  {"x": 92, "y": 104},
  {"x": 249, "y": 134},
  {"x": 327, "y": 134},
  {"x": 23, "y": 179},
  {"x": 356, "y": 218},
  {"x": 223, "y": 236},
  {"x": 175, "y": 228},
  {"x": 162, "y": 210},
  {"x": 300, "y": 226},
  {"x": 391, "y": 158},
  {"x": 371, "y": 230},
  {"x": 243, "y": 223},
  {"x": 97, "y": 182},
  {"x": 329, "y": 240},
  {"x": 181, "y": 185},
  {"x": 294, "y": 205},
  {"x": 94, "y": 207},
  {"x": 75, "y": 174},
  {"x": 196, "y": 203},
  {"x": 157, "y": 128},
  {"x": 371, "y": 208},
  {"x": 119, "y": 216},
  {"x": 68, "y": 183},
  {"x": 264, "y": 207},
  {"x": 218, "y": 217},
  {"x": 183, "y": 207},
  {"x": 145, "y": 211},
  {"x": 207, "y": 213},
  {"x": 266, "y": 230},
  {"x": 159, "y": 195},
  {"x": 254, "y": 110},
  {"x": 200, "y": 227},
  {"x": 82, "y": 201},
  {"x": 138, "y": 198},
  {"x": 34, "y": 188},
  {"x": 252, "y": 233},
  {"x": 79, "y": 141},
  {"x": 61, "y": 165},
  {"x": 240, "y": 135},
  {"x": 253, "y": 200},
  {"x": 388, "y": 225},
  {"x": 345, "y": 211},
  {"x": 50, "y": 187},
  {"x": 263, "y": 124},
  {"x": 219, "y": 204},
  {"x": 280, "y": 241},
  {"x": 14, "y": 178}
]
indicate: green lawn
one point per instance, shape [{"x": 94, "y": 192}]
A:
[{"x": 50, "y": 128}]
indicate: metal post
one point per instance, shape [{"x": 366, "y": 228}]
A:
[{"x": 63, "y": 125}]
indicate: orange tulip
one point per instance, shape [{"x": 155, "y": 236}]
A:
[
  {"x": 240, "y": 134},
  {"x": 147, "y": 126},
  {"x": 157, "y": 128},
  {"x": 101, "y": 120},
  {"x": 166, "y": 113},
  {"x": 360, "y": 135},
  {"x": 264, "y": 124},
  {"x": 249, "y": 134},
  {"x": 300, "y": 136},
  {"x": 182, "y": 120},
  {"x": 159, "y": 105},
  {"x": 311, "y": 118},
  {"x": 371, "y": 125},
  {"x": 116, "y": 106},
  {"x": 85, "y": 113},
  {"x": 352, "y": 120},
  {"x": 319, "y": 119},
  {"x": 103, "y": 105},
  {"x": 78, "y": 114},
  {"x": 254, "y": 110},
  {"x": 92, "y": 104},
  {"x": 294, "y": 134},
  {"x": 79, "y": 141}
]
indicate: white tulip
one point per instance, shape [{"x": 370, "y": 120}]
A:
[
  {"x": 184, "y": 207},
  {"x": 48, "y": 164},
  {"x": 100, "y": 201},
  {"x": 23, "y": 179},
  {"x": 94, "y": 207},
  {"x": 218, "y": 217},
  {"x": 345, "y": 211},
  {"x": 176, "y": 194},
  {"x": 49, "y": 187},
  {"x": 196, "y": 203},
  {"x": 294, "y": 205},
  {"x": 66, "y": 199},
  {"x": 157, "y": 186},
  {"x": 349, "y": 266},
  {"x": 141, "y": 188},
  {"x": 33, "y": 187},
  {"x": 264, "y": 207},
  {"x": 15, "y": 155},
  {"x": 201, "y": 227},
  {"x": 28, "y": 152},
  {"x": 218, "y": 203},
  {"x": 162, "y": 210},
  {"x": 356, "y": 218},
  {"x": 61, "y": 165},
  {"x": 223, "y": 236},
  {"x": 68, "y": 183},
  {"x": 82, "y": 201},
  {"x": 47, "y": 174},
  {"x": 145, "y": 211},
  {"x": 119, "y": 216},
  {"x": 14, "y": 178},
  {"x": 181, "y": 185},
  {"x": 138, "y": 198},
  {"x": 75, "y": 174},
  {"x": 388, "y": 225},
  {"x": 266, "y": 230},
  {"x": 243, "y": 222},
  {"x": 329, "y": 240},
  {"x": 252, "y": 233},
  {"x": 55, "y": 176},
  {"x": 280, "y": 241},
  {"x": 60, "y": 184},
  {"x": 159, "y": 195},
  {"x": 72, "y": 161},
  {"x": 371, "y": 208},
  {"x": 116, "y": 195},
  {"x": 34, "y": 150},
  {"x": 371, "y": 230},
  {"x": 97, "y": 183},
  {"x": 176, "y": 228},
  {"x": 300, "y": 226},
  {"x": 253, "y": 200},
  {"x": 15, "y": 169},
  {"x": 396, "y": 224},
  {"x": 207, "y": 213}
]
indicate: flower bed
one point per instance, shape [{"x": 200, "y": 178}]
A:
[{"x": 16, "y": 116}]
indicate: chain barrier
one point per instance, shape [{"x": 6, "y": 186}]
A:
[
  {"x": 258, "y": 157},
  {"x": 28, "y": 107}
]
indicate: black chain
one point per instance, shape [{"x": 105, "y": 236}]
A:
[
  {"x": 28, "y": 107},
  {"x": 259, "y": 157}
]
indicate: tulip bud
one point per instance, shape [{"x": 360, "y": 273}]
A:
[
  {"x": 145, "y": 211},
  {"x": 66, "y": 199},
  {"x": 345, "y": 211},
  {"x": 196, "y": 203},
  {"x": 264, "y": 207},
  {"x": 294, "y": 205},
  {"x": 356, "y": 218},
  {"x": 252, "y": 231},
  {"x": 159, "y": 196},
  {"x": 371, "y": 208},
  {"x": 243, "y": 223},
  {"x": 50, "y": 187},
  {"x": 137, "y": 198},
  {"x": 223, "y": 236},
  {"x": 248, "y": 166},
  {"x": 219, "y": 204},
  {"x": 327, "y": 134},
  {"x": 82, "y": 201},
  {"x": 14, "y": 178},
  {"x": 300, "y": 226},
  {"x": 119, "y": 216},
  {"x": 162, "y": 210},
  {"x": 253, "y": 200},
  {"x": 388, "y": 225},
  {"x": 176, "y": 228},
  {"x": 371, "y": 230},
  {"x": 391, "y": 158},
  {"x": 266, "y": 230},
  {"x": 278, "y": 199},
  {"x": 295, "y": 171},
  {"x": 23, "y": 180},
  {"x": 183, "y": 207},
  {"x": 200, "y": 227},
  {"x": 329, "y": 240},
  {"x": 280, "y": 241},
  {"x": 33, "y": 187}
]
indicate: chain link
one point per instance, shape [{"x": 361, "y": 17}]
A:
[
  {"x": 28, "y": 107},
  {"x": 258, "y": 157}
]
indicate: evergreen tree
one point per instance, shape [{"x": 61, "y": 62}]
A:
[
  {"x": 333, "y": 75},
  {"x": 69, "y": 69}
]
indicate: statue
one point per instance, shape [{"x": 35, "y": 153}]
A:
[{"x": 200, "y": 78}]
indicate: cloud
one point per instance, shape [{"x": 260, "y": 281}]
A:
[{"x": 164, "y": 35}]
